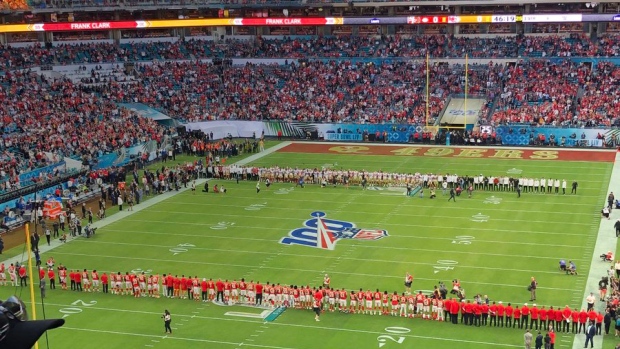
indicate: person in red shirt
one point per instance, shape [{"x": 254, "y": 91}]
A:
[
  {"x": 189, "y": 287},
  {"x": 176, "y": 286},
  {"x": 509, "y": 311},
  {"x": 203, "y": 289},
  {"x": 169, "y": 280},
  {"x": 534, "y": 313},
  {"x": 542, "y": 313},
  {"x": 72, "y": 279},
  {"x": 558, "y": 319},
  {"x": 469, "y": 313},
  {"x": 484, "y": 310},
  {"x": 454, "y": 311},
  {"x": 599, "y": 322},
  {"x": 219, "y": 286},
  {"x": 525, "y": 316},
  {"x": 583, "y": 318},
  {"x": 477, "y": 314},
  {"x": 23, "y": 280},
  {"x": 575, "y": 320},
  {"x": 182, "y": 287},
  {"x": 493, "y": 314},
  {"x": 41, "y": 273},
  {"x": 516, "y": 315},
  {"x": 105, "y": 282},
  {"x": 552, "y": 335},
  {"x": 258, "y": 289},
  {"x": 52, "y": 276},
  {"x": 501, "y": 313},
  {"x": 317, "y": 303}
]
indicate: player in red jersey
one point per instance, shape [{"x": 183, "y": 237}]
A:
[
  {"x": 196, "y": 288},
  {"x": 361, "y": 296},
  {"x": 234, "y": 291},
  {"x": 211, "y": 287},
  {"x": 403, "y": 305},
  {"x": 316, "y": 304},
  {"x": 95, "y": 277},
  {"x": 176, "y": 286},
  {"x": 135, "y": 283},
  {"x": 149, "y": 285},
  {"x": 353, "y": 302},
  {"x": 377, "y": 303},
  {"x": 296, "y": 298},
  {"x": 419, "y": 302},
  {"x": 243, "y": 291},
  {"x": 227, "y": 291},
  {"x": 118, "y": 284},
  {"x": 342, "y": 300},
  {"x": 183, "y": 287},
  {"x": 411, "y": 305},
  {"x": 385, "y": 302},
  {"x": 331, "y": 295},
  {"x": 128, "y": 284},
  {"x": 155, "y": 284},
  {"x": 142, "y": 284},
  {"x": 440, "y": 309},
  {"x": 394, "y": 302},
  {"x": 368, "y": 304},
  {"x": 13, "y": 274},
  {"x": 426, "y": 308},
  {"x": 86, "y": 281}
]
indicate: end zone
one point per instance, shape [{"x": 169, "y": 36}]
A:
[{"x": 589, "y": 155}]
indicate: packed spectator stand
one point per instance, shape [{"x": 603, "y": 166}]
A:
[{"x": 357, "y": 79}]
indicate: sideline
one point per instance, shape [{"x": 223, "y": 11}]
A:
[
  {"x": 605, "y": 241},
  {"x": 43, "y": 247}
]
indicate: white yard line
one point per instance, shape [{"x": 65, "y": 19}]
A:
[{"x": 605, "y": 241}]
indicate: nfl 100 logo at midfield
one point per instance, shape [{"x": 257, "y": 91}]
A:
[{"x": 323, "y": 233}]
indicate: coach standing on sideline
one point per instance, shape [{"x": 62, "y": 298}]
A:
[
  {"x": 617, "y": 227},
  {"x": 533, "y": 285}
]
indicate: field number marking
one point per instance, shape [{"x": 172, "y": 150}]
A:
[
  {"x": 74, "y": 309},
  {"x": 514, "y": 171},
  {"x": 256, "y": 207},
  {"x": 480, "y": 218},
  {"x": 386, "y": 338},
  {"x": 222, "y": 225},
  {"x": 140, "y": 271},
  {"x": 493, "y": 200},
  {"x": 181, "y": 248},
  {"x": 463, "y": 240},
  {"x": 284, "y": 191},
  {"x": 444, "y": 265}
]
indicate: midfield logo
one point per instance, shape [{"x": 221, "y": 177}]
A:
[{"x": 323, "y": 233}]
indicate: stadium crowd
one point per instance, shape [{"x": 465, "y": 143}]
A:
[{"x": 436, "y": 46}]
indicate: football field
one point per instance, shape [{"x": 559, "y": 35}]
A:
[{"x": 493, "y": 243}]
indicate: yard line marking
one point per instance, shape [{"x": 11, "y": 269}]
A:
[
  {"x": 218, "y": 214},
  {"x": 337, "y": 258},
  {"x": 407, "y": 202},
  {"x": 292, "y": 269},
  {"x": 356, "y": 245},
  {"x": 291, "y": 325}
]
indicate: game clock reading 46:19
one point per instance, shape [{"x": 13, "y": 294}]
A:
[{"x": 504, "y": 19}]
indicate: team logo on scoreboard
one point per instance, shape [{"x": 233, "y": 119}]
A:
[{"x": 323, "y": 233}]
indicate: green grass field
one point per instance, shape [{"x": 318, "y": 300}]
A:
[{"x": 237, "y": 235}]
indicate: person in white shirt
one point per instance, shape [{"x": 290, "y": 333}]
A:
[{"x": 563, "y": 186}]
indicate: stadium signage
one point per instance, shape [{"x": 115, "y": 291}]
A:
[
  {"x": 320, "y": 232},
  {"x": 90, "y": 26},
  {"x": 283, "y": 21}
]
